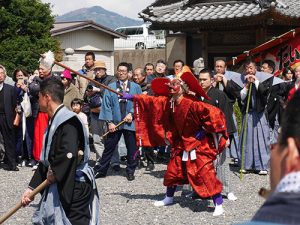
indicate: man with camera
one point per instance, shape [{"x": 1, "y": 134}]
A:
[{"x": 93, "y": 96}]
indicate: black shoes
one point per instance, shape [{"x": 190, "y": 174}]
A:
[
  {"x": 150, "y": 166},
  {"x": 130, "y": 177},
  {"x": 99, "y": 175},
  {"x": 12, "y": 169},
  {"x": 116, "y": 168}
]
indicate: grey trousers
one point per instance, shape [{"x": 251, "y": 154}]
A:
[{"x": 222, "y": 169}]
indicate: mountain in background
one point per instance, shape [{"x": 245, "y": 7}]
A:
[{"x": 99, "y": 15}]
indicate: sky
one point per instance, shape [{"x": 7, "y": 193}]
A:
[{"x": 129, "y": 8}]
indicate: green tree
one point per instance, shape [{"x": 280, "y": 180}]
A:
[{"x": 24, "y": 33}]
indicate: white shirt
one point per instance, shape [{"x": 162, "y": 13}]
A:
[
  {"x": 122, "y": 84},
  {"x": 1, "y": 86},
  {"x": 84, "y": 120},
  {"x": 289, "y": 183}
]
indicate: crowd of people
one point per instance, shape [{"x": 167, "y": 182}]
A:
[{"x": 159, "y": 113}]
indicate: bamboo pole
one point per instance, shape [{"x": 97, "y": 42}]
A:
[{"x": 245, "y": 132}]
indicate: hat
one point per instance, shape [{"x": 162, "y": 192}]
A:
[
  {"x": 99, "y": 64},
  {"x": 66, "y": 74}
]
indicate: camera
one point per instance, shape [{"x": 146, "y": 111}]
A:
[{"x": 89, "y": 87}]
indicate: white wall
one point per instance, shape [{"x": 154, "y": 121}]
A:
[
  {"x": 88, "y": 39},
  {"x": 82, "y": 41},
  {"x": 78, "y": 62}
]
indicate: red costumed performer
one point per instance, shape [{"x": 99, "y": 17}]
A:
[{"x": 196, "y": 132}]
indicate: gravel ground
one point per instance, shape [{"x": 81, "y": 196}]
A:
[{"x": 124, "y": 202}]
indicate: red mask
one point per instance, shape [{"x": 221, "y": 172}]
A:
[{"x": 174, "y": 86}]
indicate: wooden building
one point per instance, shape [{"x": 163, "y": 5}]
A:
[
  {"x": 79, "y": 37},
  {"x": 217, "y": 28}
]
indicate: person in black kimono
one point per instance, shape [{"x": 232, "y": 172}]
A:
[
  {"x": 219, "y": 99},
  {"x": 274, "y": 100},
  {"x": 71, "y": 182},
  {"x": 257, "y": 140},
  {"x": 222, "y": 75}
]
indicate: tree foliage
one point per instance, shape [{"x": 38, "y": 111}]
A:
[{"x": 25, "y": 33}]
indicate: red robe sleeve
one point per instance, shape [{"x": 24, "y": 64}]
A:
[
  {"x": 149, "y": 118},
  {"x": 213, "y": 121}
]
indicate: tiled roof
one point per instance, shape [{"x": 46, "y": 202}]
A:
[{"x": 185, "y": 11}]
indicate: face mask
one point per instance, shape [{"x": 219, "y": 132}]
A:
[{"x": 174, "y": 86}]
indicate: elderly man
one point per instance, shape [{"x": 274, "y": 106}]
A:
[
  {"x": 94, "y": 96},
  {"x": 256, "y": 132},
  {"x": 40, "y": 118},
  {"x": 140, "y": 78},
  {"x": 113, "y": 111},
  {"x": 222, "y": 75},
  {"x": 8, "y": 102}
]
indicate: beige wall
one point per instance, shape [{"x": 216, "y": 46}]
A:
[
  {"x": 139, "y": 58},
  {"x": 77, "y": 61},
  {"x": 86, "y": 40},
  {"x": 175, "y": 48}
]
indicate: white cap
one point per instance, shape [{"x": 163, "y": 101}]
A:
[{"x": 48, "y": 60}]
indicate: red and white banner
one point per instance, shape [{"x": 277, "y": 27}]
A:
[
  {"x": 284, "y": 55},
  {"x": 284, "y": 50}
]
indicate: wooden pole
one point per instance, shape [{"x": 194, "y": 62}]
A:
[
  {"x": 85, "y": 77},
  {"x": 119, "y": 124},
  {"x": 37, "y": 190},
  {"x": 12, "y": 211}
]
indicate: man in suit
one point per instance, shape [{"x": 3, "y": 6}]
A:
[
  {"x": 113, "y": 111},
  {"x": 7, "y": 114}
]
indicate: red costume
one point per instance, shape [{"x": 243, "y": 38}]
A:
[
  {"x": 158, "y": 119},
  {"x": 40, "y": 125}
]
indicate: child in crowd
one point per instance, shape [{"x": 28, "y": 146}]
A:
[{"x": 76, "y": 105}]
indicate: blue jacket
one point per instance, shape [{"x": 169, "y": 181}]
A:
[{"x": 110, "y": 108}]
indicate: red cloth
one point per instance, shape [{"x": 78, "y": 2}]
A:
[
  {"x": 40, "y": 125},
  {"x": 291, "y": 93},
  {"x": 154, "y": 119}
]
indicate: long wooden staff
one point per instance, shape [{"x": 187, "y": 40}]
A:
[
  {"x": 85, "y": 77},
  {"x": 119, "y": 124},
  {"x": 245, "y": 132},
  {"x": 12, "y": 211},
  {"x": 90, "y": 79},
  {"x": 37, "y": 190}
]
